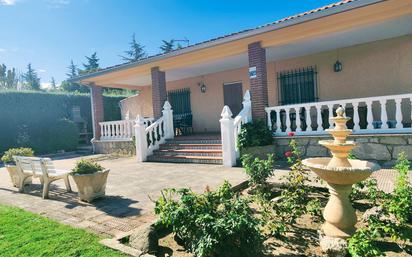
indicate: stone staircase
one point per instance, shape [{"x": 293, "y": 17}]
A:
[{"x": 205, "y": 149}]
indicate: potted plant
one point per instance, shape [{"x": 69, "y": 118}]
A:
[
  {"x": 90, "y": 178},
  {"x": 8, "y": 161}
]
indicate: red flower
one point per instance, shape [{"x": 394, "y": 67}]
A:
[
  {"x": 291, "y": 134},
  {"x": 288, "y": 154}
]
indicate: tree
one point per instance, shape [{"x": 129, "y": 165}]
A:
[
  {"x": 73, "y": 71},
  {"x": 31, "y": 80},
  {"x": 92, "y": 64},
  {"x": 53, "y": 84},
  {"x": 135, "y": 53},
  {"x": 11, "y": 79},
  {"x": 167, "y": 46}
]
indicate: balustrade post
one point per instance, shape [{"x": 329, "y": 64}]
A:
[
  {"x": 101, "y": 131},
  {"x": 278, "y": 122},
  {"x": 369, "y": 115},
  {"x": 331, "y": 123},
  {"x": 228, "y": 137},
  {"x": 288, "y": 123},
  {"x": 168, "y": 121},
  {"x": 269, "y": 119},
  {"x": 384, "y": 115},
  {"x": 140, "y": 138},
  {"x": 297, "y": 121},
  {"x": 356, "y": 120},
  {"x": 398, "y": 115},
  {"x": 319, "y": 117},
  {"x": 308, "y": 119}
]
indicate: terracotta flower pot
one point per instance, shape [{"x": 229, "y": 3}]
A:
[
  {"x": 91, "y": 186},
  {"x": 14, "y": 176}
]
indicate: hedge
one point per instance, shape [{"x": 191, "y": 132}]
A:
[{"x": 35, "y": 119}]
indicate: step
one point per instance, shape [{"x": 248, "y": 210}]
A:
[
  {"x": 185, "y": 159},
  {"x": 189, "y": 152},
  {"x": 191, "y": 146},
  {"x": 197, "y": 141}
]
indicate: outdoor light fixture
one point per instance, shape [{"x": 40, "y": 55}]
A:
[
  {"x": 337, "y": 67},
  {"x": 202, "y": 87}
]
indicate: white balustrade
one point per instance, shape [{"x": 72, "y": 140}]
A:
[
  {"x": 119, "y": 130},
  {"x": 230, "y": 129},
  {"x": 149, "y": 138},
  {"x": 392, "y": 115}
]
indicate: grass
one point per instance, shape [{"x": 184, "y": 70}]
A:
[{"x": 26, "y": 234}]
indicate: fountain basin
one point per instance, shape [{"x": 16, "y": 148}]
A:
[{"x": 358, "y": 170}]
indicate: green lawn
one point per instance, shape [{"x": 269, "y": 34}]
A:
[{"x": 26, "y": 234}]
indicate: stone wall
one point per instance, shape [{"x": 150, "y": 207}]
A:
[
  {"x": 114, "y": 147},
  {"x": 383, "y": 149}
]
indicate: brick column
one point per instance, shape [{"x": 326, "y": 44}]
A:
[
  {"x": 96, "y": 95},
  {"x": 159, "y": 95},
  {"x": 258, "y": 84}
]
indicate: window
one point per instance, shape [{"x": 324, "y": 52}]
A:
[{"x": 297, "y": 86}]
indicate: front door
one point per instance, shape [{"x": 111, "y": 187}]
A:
[
  {"x": 179, "y": 99},
  {"x": 233, "y": 95}
]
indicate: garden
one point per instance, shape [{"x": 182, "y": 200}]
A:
[{"x": 283, "y": 218}]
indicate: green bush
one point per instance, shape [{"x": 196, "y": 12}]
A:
[
  {"x": 27, "y": 117},
  {"x": 86, "y": 167},
  {"x": 212, "y": 224},
  {"x": 8, "y": 155},
  {"x": 63, "y": 135},
  {"x": 254, "y": 134},
  {"x": 258, "y": 170}
]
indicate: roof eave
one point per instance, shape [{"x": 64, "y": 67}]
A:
[{"x": 234, "y": 37}]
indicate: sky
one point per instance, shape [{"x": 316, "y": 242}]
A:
[{"x": 50, "y": 33}]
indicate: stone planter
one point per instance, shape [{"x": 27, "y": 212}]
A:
[
  {"x": 14, "y": 176},
  {"x": 91, "y": 186},
  {"x": 259, "y": 151}
]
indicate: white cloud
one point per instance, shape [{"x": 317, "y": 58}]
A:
[
  {"x": 8, "y": 2},
  {"x": 45, "y": 85},
  {"x": 57, "y": 3},
  {"x": 41, "y": 71},
  {"x": 2, "y": 50}
]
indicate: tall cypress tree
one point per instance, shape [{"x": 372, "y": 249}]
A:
[
  {"x": 167, "y": 46},
  {"x": 135, "y": 53},
  {"x": 31, "y": 80}
]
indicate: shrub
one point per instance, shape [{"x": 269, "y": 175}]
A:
[
  {"x": 8, "y": 155},
  {"x": 27, "y": 117},
  {"x": 86, "y": 167},
  {"x": 254, "y": 134},
  {"x": 212, "y": 224},
  {"x": 258, "y": 170},
  {"x": 63, "y": 135}
]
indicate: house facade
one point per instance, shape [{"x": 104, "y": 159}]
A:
[{"x": 297, "y": 71}]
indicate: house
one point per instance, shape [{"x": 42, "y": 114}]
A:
[{"x": 298, "y": 70}]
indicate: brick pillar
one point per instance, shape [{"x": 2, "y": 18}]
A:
[
  {"x": 96, "y": 95},
  {"x": 258, "y": 84},
  {"x": 159, "y": 95}
]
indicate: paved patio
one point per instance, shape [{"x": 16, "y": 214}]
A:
[{"x": 130, "y": 187}]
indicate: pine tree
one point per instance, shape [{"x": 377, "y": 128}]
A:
[
  {"x": 167, "y": 46},
  {"x": 31, "y": 80},
  {"x": 53, "y": 84},
  {"x": 73, "y": 72},
  {"x": 135, "y": 53},
  {"x": 3, "y": 76},
  {"x": 11, "y": 79},
  {"x": 92, "y": 64}
]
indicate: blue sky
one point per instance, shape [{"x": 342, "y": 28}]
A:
[{"x": 49, "y": 33}]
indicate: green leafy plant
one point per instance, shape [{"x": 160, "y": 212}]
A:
[
  {"x": 212, "y": 224},
  {"x": 257, "y": 169},
  {"x": 8, "y": 155},
  {"x": 362, "y": 243},
  {"x": 401, "y": 200},
  {"x": 314, "y": 208},
  {"x": 86, "y": 167},
  {"x": 254, "y": 134}
]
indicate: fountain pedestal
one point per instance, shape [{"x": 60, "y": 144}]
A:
[{"x": 340, "y": 174}]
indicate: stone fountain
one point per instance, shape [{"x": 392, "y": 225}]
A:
[{"x": 340, "y": 174}]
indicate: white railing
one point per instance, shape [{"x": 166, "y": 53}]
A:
[
  {"x": 149, "y": 138},
  {"x": 119, "y": 130},
  {"x": 230, "y": 129},
  {"x": 383, "y": 114}
]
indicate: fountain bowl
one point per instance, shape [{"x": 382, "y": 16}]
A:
[{"x": 358, "y": 170}]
